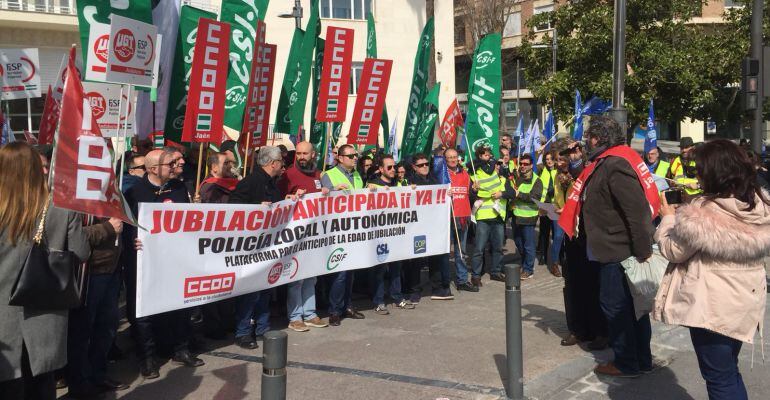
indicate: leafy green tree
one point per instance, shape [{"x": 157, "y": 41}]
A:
[{"x": 691, "y": 69}]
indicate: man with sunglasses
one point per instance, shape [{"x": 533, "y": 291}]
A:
[
  {"x": 342, "y": 177},
  {"x": 134, "y": 173},
  {"x": 529, "y": 188},
  {"x": 385, "y": 177}
]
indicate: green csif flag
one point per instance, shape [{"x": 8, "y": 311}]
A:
[
  {"x": 371, "y": 52},
  {"x": 427, "y": 127},
  {"x": 100, "y": 10},
  {"x": 293, "y": 96},
  {"x": 180, "y": 73},
  {"x": 242, "y": 15},
  {"x": 485, "y": 88},
  {"x": 417, "y": 93}
]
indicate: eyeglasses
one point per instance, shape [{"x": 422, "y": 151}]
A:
[
  {"x": 525, "y": 165},
  {"x": 389, "y": 167},
  {"x": 350, "y": 156},
  {"x": 138, "y": 167},
  {"x": 420, "y": 165}
]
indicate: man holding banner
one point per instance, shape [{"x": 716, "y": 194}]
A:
[
  {"x": 257, "y": 188},
  {"x": 342, "y": 177},
  {"x": 158, "y": 186}
]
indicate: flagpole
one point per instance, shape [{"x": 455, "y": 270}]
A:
[
  {"x": 328, "y": 141},
  {"x": 246, "y": 157},
  {"x": 470, "y": 150},
  {"x": 123, "y": 126},
  {"x": 117, "y": 133},
  {"x": 198, "y": 174}
]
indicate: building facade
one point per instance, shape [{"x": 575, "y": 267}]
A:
[{"x": 52, "y": 26}]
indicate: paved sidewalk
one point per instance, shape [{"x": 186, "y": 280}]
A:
[{"x": 441, "y": 350}]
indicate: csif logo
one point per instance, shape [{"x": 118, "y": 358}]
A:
[
  {"x": 336, "y": 258},
  {"x": 484, "y": 59}
]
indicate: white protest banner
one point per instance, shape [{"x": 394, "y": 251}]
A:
[
  {"x": 132, "y": 51},
  {"x": 19, "y": 74},
  {"x": 195, "y": 254},
  {"x": 98, "y": 52},
  {"x": 156, "y": 64},
  {"x": 105, "y": 100}
]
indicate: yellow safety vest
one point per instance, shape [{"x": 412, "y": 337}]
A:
[
  {"x": 547, "y": 177},
  {"x": 489, "y": 185},
  {"x": 525, "y": 209},
  {"x": 662, "y": 169},
  {"x": 677, "y": 170},
  {"x": 338, "y": 178}
]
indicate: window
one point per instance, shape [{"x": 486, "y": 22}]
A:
[
  {"x": 511, "y": 115},
  {"x": 355, "y": 77},
  {"x": 17, "y": 114},
  {"x": 459, "y": 31},
  {"x": 345, "y": 9},
  {"x": 542, "y": 10},
  {"x": 512, "y": 25},
  {"x": 732, "y": 3}
]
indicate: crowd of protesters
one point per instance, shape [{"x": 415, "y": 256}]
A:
[{"x": 608, "y": 214}]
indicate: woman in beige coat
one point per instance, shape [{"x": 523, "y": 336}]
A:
[{"x": 715, "y": 284}]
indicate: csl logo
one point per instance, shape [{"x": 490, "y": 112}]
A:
[
  {"x": 420, "y": 244},
  {"x": 205, "y": 285},
  {"x": 101, "y": 47},
  {"x": 124, "y": 45},
  {"x": 98, "y": 104},
  {"x": 382, "y": 252},
  {"x": 335, "y": 258},
  {"x": 484, "y": 59}
]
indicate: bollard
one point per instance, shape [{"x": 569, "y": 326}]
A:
[
  {"x": 513, "y": 348},
  {"x": 274, "y": 366}
]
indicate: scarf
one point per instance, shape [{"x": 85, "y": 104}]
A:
[
  {"x": 227, "y": 183},
  {"x": 568, "y": 219}
]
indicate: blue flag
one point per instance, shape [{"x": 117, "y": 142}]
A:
[
  {"x": 6, "y": 135},
  {"x": 392, "y": 142},
  {"x": 596, "y": 106},
  {"x": 651, "y": 138},
  {"x": 577, "y": 133},
  {"x": 534, "y": 145},
  {"x": 440, "y": 170},
  {"x": 550, "y": 129}
]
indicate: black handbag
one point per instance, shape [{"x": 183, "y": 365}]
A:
[{"x": 49, "y": 279}]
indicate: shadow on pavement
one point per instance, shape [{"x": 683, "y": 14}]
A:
[
  {"x": 235, "y": 379},
  {"x": 176, "y": 385},
  {"x": 659, "y": 385},
  {"x": 545, "y": 319},
  {"x": 502, "y": 368}
]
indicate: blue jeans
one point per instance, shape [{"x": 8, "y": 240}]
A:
[
  {"x": 92, "y": 329},
  {"x": 558, "y": 240},
  {"x": 378, "y": 282},
  {"x": 488, "y": 231},
  {"x": 718, "y": 362},
  {"x": 254, "y": 306},
  {"x": 459, "y": 250},
  {"x": 300, "y": 300},
  {"x": 524, "y": 237},
  {"x": 629, "y": 337},
  {"x": 340, "y": 293}
]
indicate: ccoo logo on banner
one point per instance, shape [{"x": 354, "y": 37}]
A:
[
  {"x": 370, "y": 101},
  {"x": 335, "y": 75},
  {"x": 260, "y": 90}
]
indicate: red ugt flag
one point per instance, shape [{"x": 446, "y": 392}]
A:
[
  {"x": 452, "y": 119},
  {"x": 83, "y": 178}
]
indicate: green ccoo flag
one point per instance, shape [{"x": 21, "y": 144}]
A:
[
  {"x": 242, "y": 15},
  {"x": 371, "y": 52},
  {"x": 297, "y": 77},
  {"x": 427, "y": 127},
  {"x": 409, "y": 143},
  {"x": 180, "y": 73},
  {"x": 100, "y": 11},
  {"x": 483, "y": 126}
]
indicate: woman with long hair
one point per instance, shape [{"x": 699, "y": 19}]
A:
[
  {"x": 33, "y": 342},
  {"x": 715, "y": 284}
]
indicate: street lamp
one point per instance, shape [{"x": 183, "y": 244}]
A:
[
  {"x": 618, "y": 111},
  {"x": 296, "y": 13}
]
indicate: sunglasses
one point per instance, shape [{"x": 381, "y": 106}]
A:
[
  {"x": 389, "y": 167},
  {"x": 500, "y": 163},
  {"x": 525, "y": 165},
  {"x": 350, "y": 156},
  {"x": 420, "y": 165},
  {"x": 138, "y": 167}
]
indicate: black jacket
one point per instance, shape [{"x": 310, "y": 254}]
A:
[
  {"x": 535, "y": 194},
  {"x": 174, "y": 191},
  {"x": 255, "y": 189},
  {"x": 615, "y": 214}
]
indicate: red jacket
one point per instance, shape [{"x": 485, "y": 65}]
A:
[
  {"x": 294, "y": 179},
  {"x": 461, "y": 183}
]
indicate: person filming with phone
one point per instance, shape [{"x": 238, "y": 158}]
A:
[{"x": 715, "y": 283}]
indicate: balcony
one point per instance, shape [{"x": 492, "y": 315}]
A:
[{"x": 66, "y": 7}]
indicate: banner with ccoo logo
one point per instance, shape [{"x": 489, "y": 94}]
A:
[{"x": 195, "y": 254}]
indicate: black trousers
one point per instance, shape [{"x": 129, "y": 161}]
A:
[
  {"x": 585, "y": 318},
  {"x": 28, "y": 387}
]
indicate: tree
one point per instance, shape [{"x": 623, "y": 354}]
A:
[{"x": 689, "y": 69}]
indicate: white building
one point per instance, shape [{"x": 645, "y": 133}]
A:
[{"x": 52, "y": 26}]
